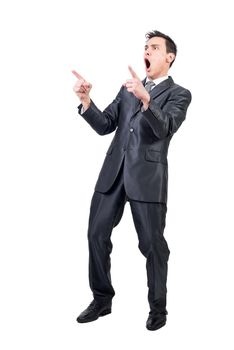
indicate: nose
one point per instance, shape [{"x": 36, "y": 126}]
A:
[{"x": 147, "y": 52}]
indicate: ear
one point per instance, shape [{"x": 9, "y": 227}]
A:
[{"x": 170, "y": 57}]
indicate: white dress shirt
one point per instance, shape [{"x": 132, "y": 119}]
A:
[{"x": 157, "y": 80}]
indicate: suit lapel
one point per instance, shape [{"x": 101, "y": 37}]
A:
[
  {"x": 161, "y": 87},
  {"x": 157, "y": 90}
]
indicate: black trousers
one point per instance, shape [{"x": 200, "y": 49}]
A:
[{"x": 106, "y": 211}]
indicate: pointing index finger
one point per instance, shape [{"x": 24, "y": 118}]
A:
[
  {"x": 133, "y": 73},
  {"x": 77, "y": 75}
]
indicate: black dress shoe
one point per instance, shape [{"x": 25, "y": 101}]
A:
[
  {"x": 93, "y": 311},
  {"x": 156, "y": 321}
]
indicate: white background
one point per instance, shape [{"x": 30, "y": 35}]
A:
[{"x": 50, "y": 160}]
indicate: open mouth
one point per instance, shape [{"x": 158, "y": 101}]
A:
[{"x": 147, "y": 63}]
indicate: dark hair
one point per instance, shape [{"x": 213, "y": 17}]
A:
[{"x": 170, "y": 45}]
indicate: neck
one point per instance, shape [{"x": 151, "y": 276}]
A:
[{"x": 159, "y": 75}]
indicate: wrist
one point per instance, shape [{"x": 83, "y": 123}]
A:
[
  {"x": 86, "y": 103},
  {"x": 146, "y": 101}
]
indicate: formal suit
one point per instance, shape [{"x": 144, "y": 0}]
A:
[{"x": 135, "y": 169}]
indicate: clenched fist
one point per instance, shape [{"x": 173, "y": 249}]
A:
[{"x": 82, "y": 89}]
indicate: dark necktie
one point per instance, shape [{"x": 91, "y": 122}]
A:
[{"x": 149, "y": 85}]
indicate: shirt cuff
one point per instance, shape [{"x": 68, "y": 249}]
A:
[{"x": 81, "y": 109}]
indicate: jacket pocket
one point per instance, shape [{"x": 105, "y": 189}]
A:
[{"x": 152, "y": 155}]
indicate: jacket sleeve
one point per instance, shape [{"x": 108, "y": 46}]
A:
[
  {"x": 103, "y": 122},
  {"x": 166, "y": 121}
]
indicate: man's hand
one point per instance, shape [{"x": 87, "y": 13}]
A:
[
  {"x": 82, "y": 89},
  {"x": 135, "y": 86}
]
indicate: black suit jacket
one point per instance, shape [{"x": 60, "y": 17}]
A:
[{"x": 141, "y": 138}]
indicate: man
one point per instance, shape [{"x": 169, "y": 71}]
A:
[{"x": 146, "y": 114}]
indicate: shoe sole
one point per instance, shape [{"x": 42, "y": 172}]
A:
[
  {"x": 103, "y": 313},
  {"x": 155, "y": 328}
]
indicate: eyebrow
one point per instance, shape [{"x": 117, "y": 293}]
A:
[{"x": 155, "y": 45}]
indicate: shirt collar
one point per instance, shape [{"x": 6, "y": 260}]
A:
[{"x": 157, "y": 80}]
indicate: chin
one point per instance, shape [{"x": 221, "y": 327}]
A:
[
  {"x": 150, "y": 75},
  {"x": 153, "y": 75}
]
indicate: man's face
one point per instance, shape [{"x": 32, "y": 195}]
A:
[{"x": 157, "y": 60}]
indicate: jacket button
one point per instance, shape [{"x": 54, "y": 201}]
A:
[{"x": 131, "y": 130}]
